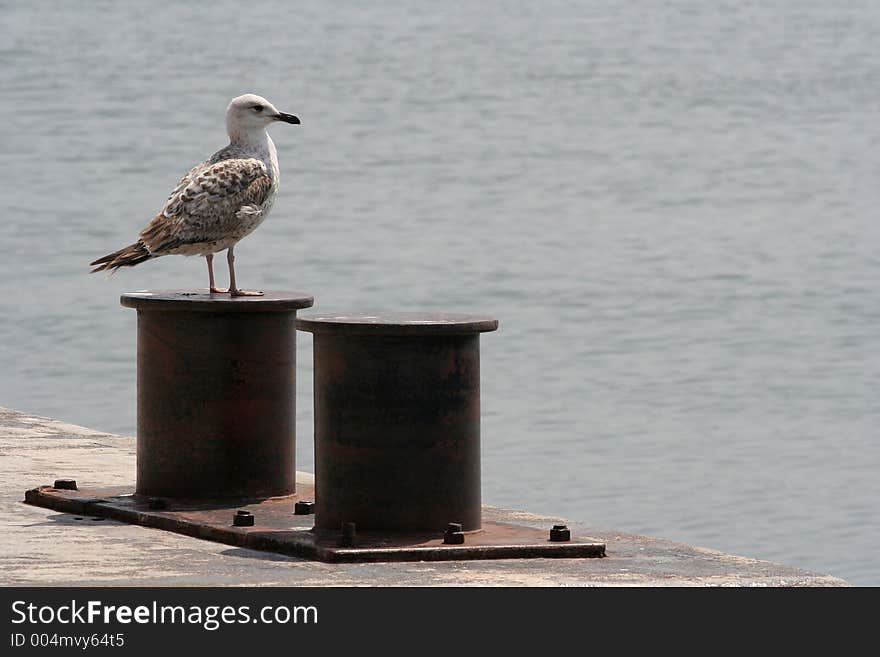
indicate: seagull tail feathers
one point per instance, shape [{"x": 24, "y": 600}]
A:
[{"x": 129, "y": 256}]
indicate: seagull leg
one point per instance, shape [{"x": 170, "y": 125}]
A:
[
  {"x": 234, "y": 291},
  {"x": 212, "y": 288}
]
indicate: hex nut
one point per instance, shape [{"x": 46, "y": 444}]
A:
[
  {"x": 349, "y": 529},
  {"x": 304, "y": 508},
  {"x": 560, "y": 534},
  {"x": 243, "y": 519},
  {"x": 453, "y": 534}
]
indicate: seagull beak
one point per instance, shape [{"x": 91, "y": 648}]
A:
[{"x": 287, "y": 118}]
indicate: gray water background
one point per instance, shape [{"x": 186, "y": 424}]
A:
[{"x": 670, "y": 206}]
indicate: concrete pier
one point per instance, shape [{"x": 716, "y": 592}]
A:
[{"x": 42, "y": 547}]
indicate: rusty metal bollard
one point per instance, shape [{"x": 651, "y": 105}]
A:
[
  {"x": 216, "y": 384},
  {"x": 397, "y": 420}
]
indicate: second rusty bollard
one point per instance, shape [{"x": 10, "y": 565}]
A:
[{"x": 397, "y": 420}]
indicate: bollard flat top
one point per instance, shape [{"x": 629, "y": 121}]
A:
[
  {"x": 202, "y": 300},
  {"x": 411, "y": 323}
]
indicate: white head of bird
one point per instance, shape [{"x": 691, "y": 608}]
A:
[{"x": 248, "y": 116}]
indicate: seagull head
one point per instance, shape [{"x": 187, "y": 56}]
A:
[{"x": 252, "y": 113}]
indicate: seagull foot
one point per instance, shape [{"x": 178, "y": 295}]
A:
[
  {"x": 245, "y": 293},
  {"x": 219, "y": 290}
]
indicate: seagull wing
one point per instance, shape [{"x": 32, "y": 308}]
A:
[{"x": 205, "y": 204}]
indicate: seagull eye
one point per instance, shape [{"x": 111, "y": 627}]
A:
[{"x": 257, "y": 108}]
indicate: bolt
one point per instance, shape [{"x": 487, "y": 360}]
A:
[
  {"x": 348, "y": 532},
  {"x": 243, "y": 519},
  {"x": 453, "y": 534},
  {"x": 65, "y": 484},
  {"x": 157, "y": 503},
  {"x": 304, "y": 508},
  {"x": 560, "y": 533}
]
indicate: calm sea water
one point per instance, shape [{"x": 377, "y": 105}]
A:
[{"x": 670, "y": 206}]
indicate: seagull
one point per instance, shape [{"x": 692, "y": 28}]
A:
[{"x": 220, "y": 201}]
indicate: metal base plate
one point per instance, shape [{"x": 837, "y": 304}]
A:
[{"x": 277, "y": 529}]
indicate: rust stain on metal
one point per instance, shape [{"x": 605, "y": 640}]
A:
[{"x": 277, "y": 529}]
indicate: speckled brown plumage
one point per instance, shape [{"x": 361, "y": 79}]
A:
[{"x": 218, "y": 202}]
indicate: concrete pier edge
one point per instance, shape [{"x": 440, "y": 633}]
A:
[{"x": 42, "y": 547}]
